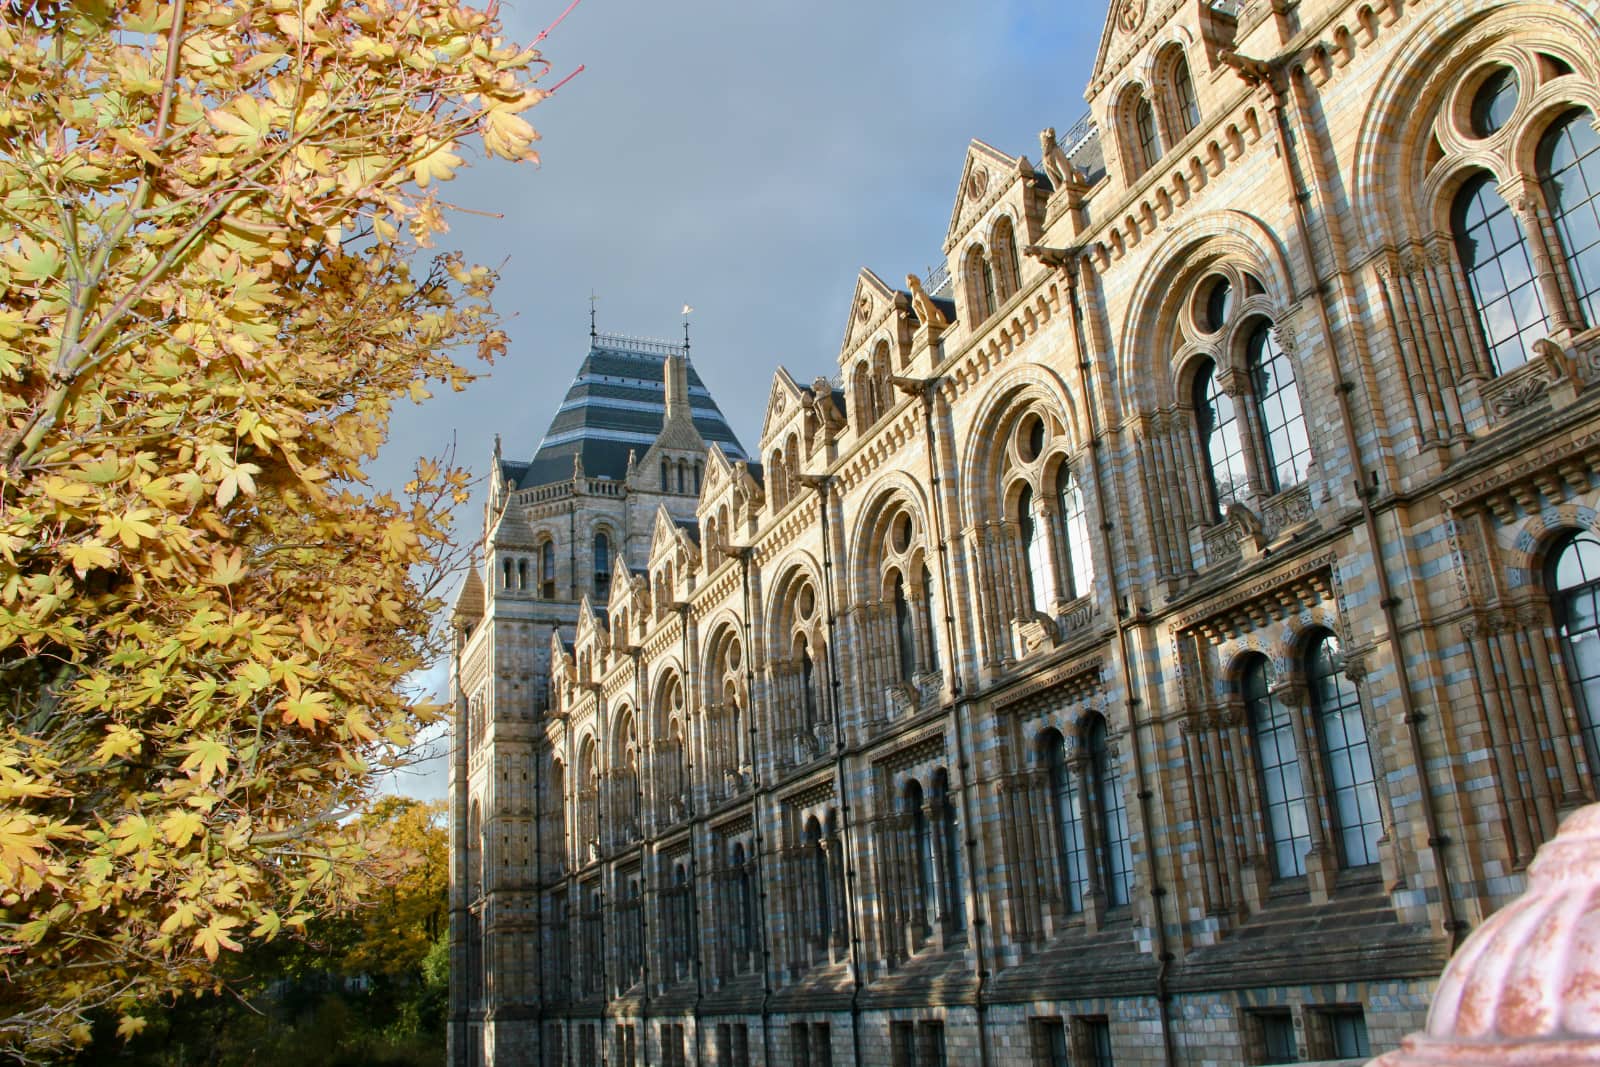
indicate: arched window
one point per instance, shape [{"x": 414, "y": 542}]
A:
[
  {"x": 1343, "y": 731},
  {"x": 951, "y": 908},
  {"x": 1569, "y": 168},
  {"x": 922, "y": 905},
  {"x": 547, "y": 570},
  {"x": 861, "y": 396},
  {"x": 808, "y": 688},
  {"x": 1573, "y": 579},
  {"x": 602, "y": 566},
  {"x": 926, "y": 602},
  {"x": 744, "y": 921},
  {"x": 1499, "y": 267},
  {"x": 1183, "y": 98},
  {"x": 683, "y": 476},
  {"x": 1075, "y": 521},
  {"x": 1277, "y": 762},
  {"x": 905, "y": 638},
  {"x": 1144, "y": 124},
  {"x": 1116, "y": 851},
  {"x": 1067, "y": 817},
  {"x": 980, "y": 284},
  {"x": 817, "y": 874},
  {"x": 1220, "y": 443},
  {"x": 1034, "y": 551},
  {"x": 1277, "y": 398},
  {"x": 522, "y": 574},
  {"x": 1004, "y": 251},
  {"x": 666, "y": 476}
]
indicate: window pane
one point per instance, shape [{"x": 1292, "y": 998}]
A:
[
  {"x": 1183, "y": 89},
  {"x": 1278, "y": 401},
  {"x": 1069, "y": 824},
  {"x": 1346, "y": 754},
  {"x": 1080, "y": 558},
  {"x": 1494, "y": 255},
  {"x": 1117, "y": 852},
  {"x": 1220, "y": 444},
  {"x": 1272, "y": 731},
  {"x": 1570, "y": 169},
  {"x": 1575, "y": 578},
  {"x": 1144, "y": 117}
]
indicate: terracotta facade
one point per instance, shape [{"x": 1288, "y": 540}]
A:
[{"x": 1163, "y": 640}]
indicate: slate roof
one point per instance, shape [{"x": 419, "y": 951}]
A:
[{"x": 615, "y": 405}]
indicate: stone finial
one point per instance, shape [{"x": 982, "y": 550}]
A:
[{"x": 1524, "y": 989}]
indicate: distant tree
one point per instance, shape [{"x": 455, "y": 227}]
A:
[{"x": 208, "y": 217}]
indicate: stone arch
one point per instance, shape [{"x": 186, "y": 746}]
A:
[
  {"x": 1524, "y": 561},
  {"x": 995, "y": 414},
  {"x": 1150, "y": 332},
  {"x": 1392, "y": 144}
]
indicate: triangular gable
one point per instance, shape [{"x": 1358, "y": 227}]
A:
[
  {"x": 470, "y": 601},
  {"x": 986, "y": 172},
  {"x": 872, "y": 297},
  {"x": 664, "y": 537},
  {"x": 1129, "y": 24},
  {"x": 718, "y": 475},
  {"x": 782, "y": 402}
]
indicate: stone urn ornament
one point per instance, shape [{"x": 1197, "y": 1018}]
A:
[{"x": 1524, "y": 989}]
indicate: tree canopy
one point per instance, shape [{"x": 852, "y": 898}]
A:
[{"x": 209, "y": 300}]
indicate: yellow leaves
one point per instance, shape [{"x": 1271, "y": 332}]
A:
[
  {"x": 130, "y": 1026},
  {"x": 438, "y": 163},
  {"x": 181, "y": 826},
  {"x": 306, "y": 710},
  {"x": 36, "y": 261},
  {"x": 399, "y": 537},
  {"x": 86, "y": 556},
  {"x": 130, "y": 527},
  {"x": 227, "y": 569},
  {"x": 238, "y": 480},
  {"x": 208, "y": 757},
  {"x": 133, "y": 834},
  {"x": 70, "y": 494},
  {"x": 120, "y": 740},
  {"x": 508, "y": 136}
]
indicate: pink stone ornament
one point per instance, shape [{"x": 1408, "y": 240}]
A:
[{"x": 1524, "y": 989}]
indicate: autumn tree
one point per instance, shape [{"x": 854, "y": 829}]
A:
[{"x": 209, "y": 300}]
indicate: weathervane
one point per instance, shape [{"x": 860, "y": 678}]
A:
[
  {"x": 593, "y": 333},
  {"x": 686, "y": 310}
]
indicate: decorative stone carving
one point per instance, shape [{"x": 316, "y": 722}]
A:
[
  {"x": 928, "y": 312},
  {"x": 1524, "y": 990},
  {"x": 1033, "y": 633}
]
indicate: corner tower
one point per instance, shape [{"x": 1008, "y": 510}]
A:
[{"x": 629, "y": 439}]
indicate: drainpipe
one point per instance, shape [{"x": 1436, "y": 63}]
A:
[
  {"x": 743, "y": 553},
  {"x": 928, "y": 388},
  {"x": 822, "y": 484},
  {"x": 1158, "y": 892},
  {"x": 643, "y": 713},
  {"x": 1273, "y": 75}
]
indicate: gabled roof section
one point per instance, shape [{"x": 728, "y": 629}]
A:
[
  {"x": 987, "y": 173},
  {"x": 1129, "y": 24},
  {"x": 470, "y": 601},
  {"x": 873, "y": 295},
  {"x": 781, "y": 402},
  {"x": 616, "y": 405}
]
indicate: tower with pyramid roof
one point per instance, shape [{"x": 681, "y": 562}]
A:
[{"x": 563, "y": 532}]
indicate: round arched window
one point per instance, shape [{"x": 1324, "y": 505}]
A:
[
  {"x": 1574, "y": 583},
  {"x": 1494, "y": 102}
]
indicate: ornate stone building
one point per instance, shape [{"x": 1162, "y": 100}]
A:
[{"x": 1171, "y": 631}]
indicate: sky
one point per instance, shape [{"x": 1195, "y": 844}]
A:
[{"x": 745, "y": 158}]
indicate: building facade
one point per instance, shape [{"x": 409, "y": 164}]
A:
[{"x": 1173, "y": 628}]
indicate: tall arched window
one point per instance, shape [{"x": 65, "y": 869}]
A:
[
  {"x": 1034, "y": 551},
  {"x": 1075, "y": 522},
  {"x": 808, "y": 687},
  {"x": 1277, "y": 398},
  {"x": 1116, "y": 851},
  {"x": 1494, "y": 254},
  {"x": 1573, "y": 579},
  {"x": 1004, "y": 253},
  {"x": 922, "y": 907},
  {"x": 1220, "y": 443},
  {"x": 1277, "y": 762},
  {"x": 980, "y": 284},
  {"x": 951, "y": 908},
  {"x": 905, "y": 637},
  {"x": 1343, "y": 731},
  {"x": 926, "y": 603},
  {"x": 1569, "y": 168},
  {"x": 602, "y": 566},
  {"x": 817, "y": 873},
  {"x": 1144, "y": 124},
  {"x": 744, "y": 921},
  {"x": 1185, "y": 103},
  {"x": 1067, "y": 816}
]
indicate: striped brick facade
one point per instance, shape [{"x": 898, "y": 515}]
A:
[{"x": 1049, "y": 692}]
